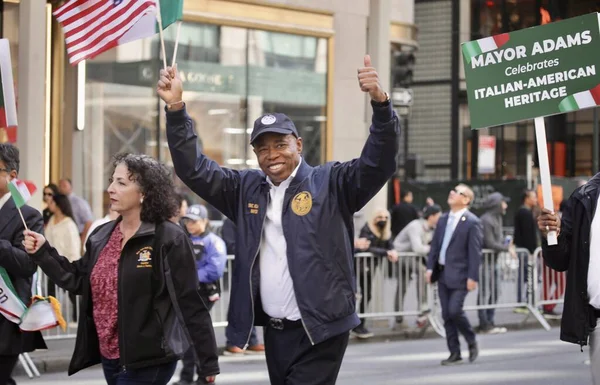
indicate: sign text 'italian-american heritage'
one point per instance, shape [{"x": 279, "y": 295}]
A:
[{"x": 533, "y": 72}]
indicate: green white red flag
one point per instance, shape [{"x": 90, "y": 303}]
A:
[
  {"x": 21, "y": 191},
  {"x": 8, "y": 101}
]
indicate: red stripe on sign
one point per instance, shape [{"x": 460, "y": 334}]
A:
[
  {"x": 596, "y": 94},
  {"x": 501, "y": 39}
]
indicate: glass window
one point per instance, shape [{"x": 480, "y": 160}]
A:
[{"x": 231, "y": 76}]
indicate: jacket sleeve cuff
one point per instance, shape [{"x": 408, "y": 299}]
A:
[
  {"x": 177, "y": 116},
  {"x": 382, "y": 114}
]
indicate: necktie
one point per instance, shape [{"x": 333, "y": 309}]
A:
[{"x": 446, "y": 241}]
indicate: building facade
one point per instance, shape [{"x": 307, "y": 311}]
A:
[
  {"x": 237, "y": 59},
  {"x": 440, "y": 136}
]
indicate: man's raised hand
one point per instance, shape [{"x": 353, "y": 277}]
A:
[
  {"x": 368, "y": 79},
  {"x": 170, "y": 89}
]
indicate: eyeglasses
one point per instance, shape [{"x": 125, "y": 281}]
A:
[{"x": 460, "y": 192}]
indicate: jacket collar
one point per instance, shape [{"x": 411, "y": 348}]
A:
[
  {"x": 104, "y": 232},
  {"x": 591, "y": 187},
  {"x": 303, "y": 171}
]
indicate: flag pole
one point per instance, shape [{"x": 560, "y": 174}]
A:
[
  {"x": 23, "y": 219},
  {"x": 176, "y": 43},
  {"x": 160, "y": 32}
]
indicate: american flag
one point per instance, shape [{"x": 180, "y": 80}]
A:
[{"x": 94, "y": 26}]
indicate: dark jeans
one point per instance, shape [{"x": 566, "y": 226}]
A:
[
  {"x": 293, "y": 360},
  {"x": 152, "y": 375},
  {"x": 366, "y": 269},
  {"x": 7, "y": 364},
  {"x": 488, "y": 292},
  {"x": 523, "y": 278}
]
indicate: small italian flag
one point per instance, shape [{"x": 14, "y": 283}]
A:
[
  {"x": 8, "y": 102},
  {"x": 581, "y": 100},
  {"x": 147, "y": 26},
  {"x": 21, "y": 191},
  {"x": 487, "y": 44}
]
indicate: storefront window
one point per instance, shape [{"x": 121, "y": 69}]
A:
[{"x": 231, "y": 76}]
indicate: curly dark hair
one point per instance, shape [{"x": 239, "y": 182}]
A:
[{"x": 156, "y": 184}]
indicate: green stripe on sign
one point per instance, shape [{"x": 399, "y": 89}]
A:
[
  {"x": 470, "y": 50},
  {"x": 568, "y": 104}
]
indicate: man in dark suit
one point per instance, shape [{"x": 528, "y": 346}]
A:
[
  {"x": 16, "y": 262},
  {"x": 453, "y": 262}
]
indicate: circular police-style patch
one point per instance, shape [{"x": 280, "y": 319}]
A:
[
  {"x": 302, "y": 203},
  {"x": 268, "y": 119}
]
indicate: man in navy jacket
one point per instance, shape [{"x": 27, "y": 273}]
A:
[
  {"x": 294, "y": 268},
  {"x": 455, "y": 256}
]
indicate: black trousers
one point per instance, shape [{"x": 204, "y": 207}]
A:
[
  {"x": 293, "y": 360},
  {"x": 7, "y": 364},
  {"x": 189, "y": 358}
]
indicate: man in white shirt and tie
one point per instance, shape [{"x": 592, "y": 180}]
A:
[{"x": 453, "y": 262}]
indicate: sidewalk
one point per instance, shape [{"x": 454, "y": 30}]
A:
[{"x": 58, "y": 355}]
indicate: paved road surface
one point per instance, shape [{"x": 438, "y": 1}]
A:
[{"x": 519, "y": 357}]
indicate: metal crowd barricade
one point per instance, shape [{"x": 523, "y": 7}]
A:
[
  {"x": 387, "y": 290},
  {"x": 551, "y": 284}
]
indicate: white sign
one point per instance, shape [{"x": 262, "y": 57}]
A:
[{"x": 486, "y": 159}]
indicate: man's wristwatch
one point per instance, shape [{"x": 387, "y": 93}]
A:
[{"x": 382, "y": 104}]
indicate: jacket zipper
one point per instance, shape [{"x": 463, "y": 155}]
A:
[
  {"x": 119, "y": 319},
  {"x": 300, "y": 310},
  {"x": 250, "y": 280}
]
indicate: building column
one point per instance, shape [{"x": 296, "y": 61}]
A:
[
  {"x": 31, "y": 94},
  {"x": 378, "y": 46}
]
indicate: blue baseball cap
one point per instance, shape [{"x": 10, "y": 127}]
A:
[
  {"x": 196, "y": 212},
  {"x": 275, "y": 122}
]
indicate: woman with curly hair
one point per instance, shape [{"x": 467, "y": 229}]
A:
[{"x": 140, "y": 306}]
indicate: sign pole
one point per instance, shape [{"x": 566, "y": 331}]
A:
[{"x": 540, "y": 136}]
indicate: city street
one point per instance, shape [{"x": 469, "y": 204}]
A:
[{"x": 518, "y": 357}]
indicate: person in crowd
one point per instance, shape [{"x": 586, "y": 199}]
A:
[
  {"x": 211, "y": 258},
  {"x": 82, "y": 212},
  {"x": 578, "y": 253},
  {"x": 294, "y": 238},
  {"x": 493, "y": 239},
  {"x": 453, "y": 262},
  {"x": 16, "y": 263},
  {"x": 378, "y": 233},
  {"x": 49, "y": 191},
  {"x": 403, "y": 213},
  {"x": 61, "y": 231},
  {"x": 228, "y": 231},
  {"x": 526, "y": 237},
  {"x": 415, "y": 237},
  {"x": 140, "y": 305}
]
